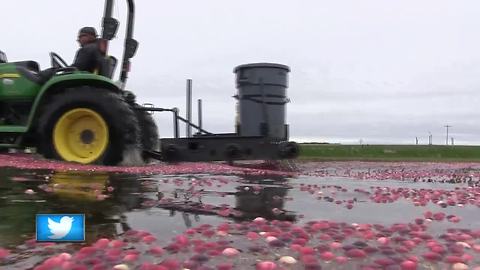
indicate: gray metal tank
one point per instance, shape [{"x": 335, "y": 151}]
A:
[{"x": 262, "y": 100}]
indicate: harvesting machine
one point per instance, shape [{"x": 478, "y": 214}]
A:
[{"x": 89, "y": 118}]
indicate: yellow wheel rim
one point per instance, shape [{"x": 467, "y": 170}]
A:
[{"x": 81, "y": 135}]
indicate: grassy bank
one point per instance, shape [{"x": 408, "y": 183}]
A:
[{"x": 389, "y": 152}]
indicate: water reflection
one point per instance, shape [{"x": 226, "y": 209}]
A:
[
  {"x": 25, "y": 194},
  {"x": 268, "y": 203},
  {"x": 243, "y": 199},
  {"x": 114, "y": 203},
  {"x": 98, "y": 196},
  {"x": 16, "y": 207},
  {"x": 261, "y": 197}
]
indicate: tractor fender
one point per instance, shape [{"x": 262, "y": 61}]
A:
[{"x": 64, "y": 81}]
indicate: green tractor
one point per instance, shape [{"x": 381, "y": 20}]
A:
[
  {"x": 73, "y": 115},
  {"x": 87, "y": 118}
]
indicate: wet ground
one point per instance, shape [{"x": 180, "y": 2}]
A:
[{"x": 328, "y": 215}]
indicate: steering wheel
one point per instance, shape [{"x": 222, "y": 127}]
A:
[{"x": 57, "y": 61}]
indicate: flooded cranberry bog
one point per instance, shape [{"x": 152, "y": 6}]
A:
[{"x": 323, "y": 215}]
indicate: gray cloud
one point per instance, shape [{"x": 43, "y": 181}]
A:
[{"x": 381, "y": 71}]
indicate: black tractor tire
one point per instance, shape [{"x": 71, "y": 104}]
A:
[
  {"x": 122, "y": 123},
  {"x": 149, "y": 139}
]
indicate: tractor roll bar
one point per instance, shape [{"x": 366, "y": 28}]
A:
[
  {"x": 107, "y": 15},
  {"x": 129, "y": 42}
]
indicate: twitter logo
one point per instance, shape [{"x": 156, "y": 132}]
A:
[{"x": 60, "y": 227}]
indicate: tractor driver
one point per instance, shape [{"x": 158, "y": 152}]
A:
[{"x": 88, "y": 57}]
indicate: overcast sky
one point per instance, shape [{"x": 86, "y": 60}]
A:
[{"x": 372, "y": 70}]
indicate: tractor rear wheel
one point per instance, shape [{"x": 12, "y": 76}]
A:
[
  {"x": 88, "y": 125},
  {"x": 148, "y": 132}
]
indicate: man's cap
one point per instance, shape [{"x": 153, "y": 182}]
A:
[{"x": 88, "y": 30}]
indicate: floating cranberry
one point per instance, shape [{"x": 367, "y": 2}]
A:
[
  {"x": 225, "y": 266},
  {"x": 453, "y": 259},
  {"x": 252, "y": 235},
  {"x": 4, "y": 253},
  {"x": 355, "y": 253},
  {"x": 156, "y": 251},
  {"x": 230, "y": 252},
  {"x": 383, "y": 240},
  {"x": 432, "y": 256},
  {"x": 460, "y": 266},
  {"x": 428, "y": 215},
  {"x": 130, "y": 258},
  {"x": 149, "y": 239},
  {"x": 266, "y": 265},
  {"x": 102, "y": 243},
  {"x": 87, "y": 251},
  {"x": 454, "y": 219},
  {"x": 384, "y": 262},
  {"x": 327, "y": 256},
  {"x": 439, "y": 216},
  {"x": 117, "y": 244},
  {"x": 335, "y": 245},
  {"x": 370, "y": 250},
  {"x": 170, "y": 264},
  {"x": 307, "y": 251}
]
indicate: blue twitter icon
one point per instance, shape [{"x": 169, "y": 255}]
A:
[{"x": 60, "y": 227}]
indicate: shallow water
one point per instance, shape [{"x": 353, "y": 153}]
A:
[
  {"x": 166, "y": 205},
  {"x": 128, "y": 205}
]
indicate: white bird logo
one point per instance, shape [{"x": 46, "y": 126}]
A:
[{"x": 60, "y": 229}]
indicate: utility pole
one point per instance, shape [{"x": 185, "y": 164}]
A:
[{"x": 447, "y": 126}]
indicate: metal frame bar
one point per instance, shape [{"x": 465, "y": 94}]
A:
[
  {"x": 193, "y": 125},
  {"x": 176, "y": 118}
]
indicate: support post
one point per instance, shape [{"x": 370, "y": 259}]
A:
[
  {"x": 175, "y": 123},
  {"x": 189, "y": 108},
  {"x": 200, "y": 113}
]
